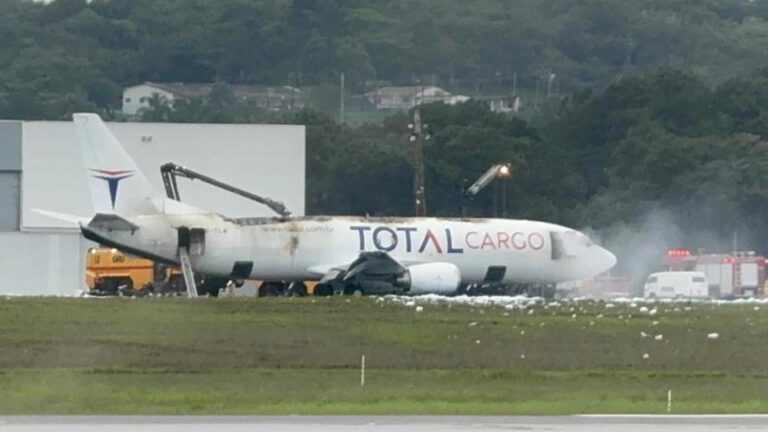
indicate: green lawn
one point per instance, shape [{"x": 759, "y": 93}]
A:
[{"x": 164, "y": 356}]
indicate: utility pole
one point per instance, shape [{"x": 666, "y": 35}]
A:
[
  {"x": 514, "y": 83},
  {"x": 549, "y": 83},
  {"x": 504, "y": 197},
  {"x": 417, "y": 137},
  {"x": 341, "y": 100}
]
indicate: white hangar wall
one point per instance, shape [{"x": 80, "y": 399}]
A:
[
  {"x": 42, "y": 263},
  {"x": 45, "y": 256}
]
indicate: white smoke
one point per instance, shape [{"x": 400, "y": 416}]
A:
[{"x": 640, "y": 248}]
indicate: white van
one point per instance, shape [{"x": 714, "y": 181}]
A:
[{"x": 678, "y": 284}]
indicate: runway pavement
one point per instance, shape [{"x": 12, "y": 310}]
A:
[{"x": 383, "y": 423}]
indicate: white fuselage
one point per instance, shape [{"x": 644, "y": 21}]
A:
[
  {"x": 430, "y": 254},
  {"x": 306, "y": 248}
]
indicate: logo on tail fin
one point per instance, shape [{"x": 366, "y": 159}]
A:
[{"x": 113, "y": 178}]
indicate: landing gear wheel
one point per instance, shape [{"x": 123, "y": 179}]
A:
[
  {"x": 146, "y": 290},
  {"x": 353, "y": 290},
  {"x": 211, "y": 286},
  {"x": 323, "y": 290},
  {"x": 297, "y": 289},
  {"x": 125, "y": 286},
  {"x": 175, "y": 286},
  {"x": 270, "y": 289},
  {"x": 108, "y": 287}
]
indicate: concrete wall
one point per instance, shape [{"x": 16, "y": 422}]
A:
[
  {"x": 10, "y": 145},
  {"x": 264, "y": 159},
  {"x": 10, "y": 175},
  {"x": 42, "y": 263}
]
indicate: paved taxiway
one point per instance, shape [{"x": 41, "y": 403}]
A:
[{"x": 382, "y": 423}]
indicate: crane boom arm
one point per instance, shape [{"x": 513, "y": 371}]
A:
[
  {"x": 484, "y": 180},
  {"x": 170, "y": 170}
]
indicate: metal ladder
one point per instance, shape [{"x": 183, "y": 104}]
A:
[{"x": 186, "y": 270}]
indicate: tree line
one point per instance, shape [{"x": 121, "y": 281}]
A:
[{"x": 74, "y": 55}]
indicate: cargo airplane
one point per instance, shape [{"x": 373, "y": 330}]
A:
[{"x": 345, "y": 253}]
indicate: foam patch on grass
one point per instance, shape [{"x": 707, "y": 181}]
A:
[
  {"x": 508, "y": 302},
  {"x": 644, "y": 306}
]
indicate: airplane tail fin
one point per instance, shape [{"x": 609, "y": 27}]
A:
[{"x": 116, "y": 183}]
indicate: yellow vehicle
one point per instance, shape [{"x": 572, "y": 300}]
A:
[
  {"x": 109, "y": 272},
  {"x": 112, "y": 272}
]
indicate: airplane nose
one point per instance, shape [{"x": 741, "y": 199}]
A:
[{"x": 607, "y": 259}]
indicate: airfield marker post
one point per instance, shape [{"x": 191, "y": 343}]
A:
[
  {"x": 669, "y": 401},
  {"x": 362, "y": 371}
]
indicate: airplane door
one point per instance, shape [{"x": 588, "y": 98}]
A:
[
  {"x": 193, "y": 240},
  {"x": 197, "y": 241}
]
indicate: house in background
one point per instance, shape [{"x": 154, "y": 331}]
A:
[
  {"x": 271, "y": 98},
  {"x": 502, "y": 104},
  {"x": 405, "y": 98}
]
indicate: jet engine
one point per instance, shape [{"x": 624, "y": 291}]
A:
[{"x": 431, "y": 278}]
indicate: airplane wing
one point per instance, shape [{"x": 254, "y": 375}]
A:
[
  {"x": 373, "y": 264},
  {"x": 367, "y": 264}
]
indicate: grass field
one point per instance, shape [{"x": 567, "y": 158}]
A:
[{"x": 216, "y": 356}]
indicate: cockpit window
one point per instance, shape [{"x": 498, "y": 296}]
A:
[{"x": 584, "y": 240}]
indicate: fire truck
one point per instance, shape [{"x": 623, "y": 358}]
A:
[{"x": 734, "y": 275}]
